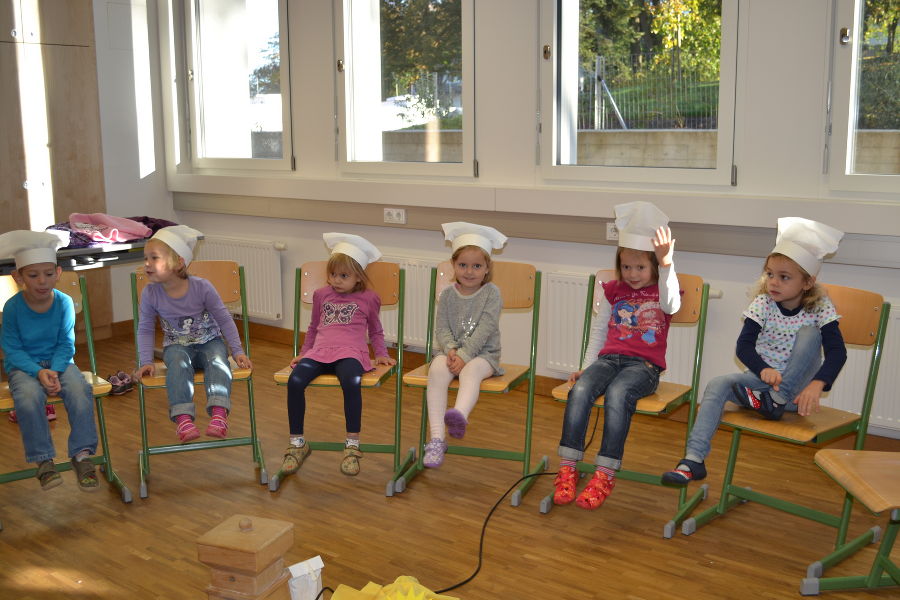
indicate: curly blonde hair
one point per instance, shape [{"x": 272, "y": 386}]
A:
[
  {"x": 343, "y": 263},
  {"x": 810, "y": 297}
]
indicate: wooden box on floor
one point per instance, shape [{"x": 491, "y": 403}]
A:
[{"x": 246, "y": 555}]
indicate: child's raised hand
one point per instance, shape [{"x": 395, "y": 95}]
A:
[
  {"x": 664, "y": 246},
  {"x": 145, "y": 371},
  {"x": 243, "y": 361},
  {"x": 808, "y": 399},
  {"x": 573, "y": 377},
  {"x": 50, "y": 380},
  {"x": 771, "y": 377},
  {"x": 385, "y": 360},
  {"x": 295, "y": 360}
]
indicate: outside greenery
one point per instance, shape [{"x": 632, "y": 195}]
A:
[{"x": 879, "y": 78}]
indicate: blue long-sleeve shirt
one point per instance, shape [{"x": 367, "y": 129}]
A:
[{"x": 30, "y": 337}]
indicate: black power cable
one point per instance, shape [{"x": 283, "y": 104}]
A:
[{"x": 484, "y": 527}]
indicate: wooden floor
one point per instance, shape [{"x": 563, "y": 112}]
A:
[{"x": 65, "y": 543}]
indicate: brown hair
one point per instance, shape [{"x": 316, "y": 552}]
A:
[
  {"x": 173, "y": 259},
  {"x": 488, "y": 263},
  {"x": 654, "y": 262},
  {"x": 809, "y": 298},
  {"x": 343, "y": 263}
]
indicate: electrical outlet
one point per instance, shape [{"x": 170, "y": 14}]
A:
[
  {"x": 612, "y": 233},
  {"x": 396, "y": 216}
]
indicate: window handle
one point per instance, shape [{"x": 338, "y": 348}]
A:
[
  {"x": 845, "y": 36},
  {"x": 547, "y": 52},
  {"x": 340, "y": 65}
]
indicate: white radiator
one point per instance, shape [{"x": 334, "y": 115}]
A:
[
  {"x": 418, "y": 282},
  {"x": 851, "y": 383},
  {"x": 563, "y": 312},
  {"x": 262, "y": 271}
]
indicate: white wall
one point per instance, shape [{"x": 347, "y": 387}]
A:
[{"x": 778, "y": 145}]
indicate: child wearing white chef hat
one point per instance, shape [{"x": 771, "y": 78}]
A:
[
  {"x": 345, "y": 317},
  {"x": 466, "y": 334},
  {"x": 198, "y": 332},
  {"x": 626, "y": 352},
  {"x": 38, "y": 340},
  {"x": 786, "y": 327}
]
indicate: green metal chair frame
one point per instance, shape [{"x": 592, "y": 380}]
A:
[
  {"x": 668, "y": 396},
  {"x": 871, "y": 478},
  {"x": 228, "y": 279},
  {"x": 514, "y": 280},
  {"x": 863, "y": 323},
  {"x": 389, "y": 282},
  {"x": 76, "y": 286}
]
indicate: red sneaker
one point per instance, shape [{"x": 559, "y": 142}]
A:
[
  {"x": 596, "y": 491},
  {"x": 51, "y": 412},
  {"x": 12, "y": 417},
  {"x": 565, "y": 482}
]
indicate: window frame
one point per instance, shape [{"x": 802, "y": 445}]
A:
[
  {"x": 549, "y": 111},
  {"x": 192, "y": 101},
  {"x": 842, "y": 106},
  {"x": 344, "y": 76}
]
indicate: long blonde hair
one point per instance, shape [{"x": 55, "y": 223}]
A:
[
  {"x": 810, "y": 297},
  {"x": 343, "y": 263}
]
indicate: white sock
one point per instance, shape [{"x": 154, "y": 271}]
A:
[{"x": 297, "y": 441}]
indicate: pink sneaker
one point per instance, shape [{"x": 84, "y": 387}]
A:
[
  {"x": 51, "y": 412},
  {"x": 187, "y": 431}
]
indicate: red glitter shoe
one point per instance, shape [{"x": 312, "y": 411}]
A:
[
  {"x": 565, "y": 482},
  {"x": 596, "y": 491}
]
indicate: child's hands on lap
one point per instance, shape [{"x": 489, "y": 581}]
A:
[
  {"x": 385, "y": 360},
  {"x": 573, "y": 377},
  {"x": 50, "y": 380},
  {"x": 808, "y": 399},
  {"x": 454, "y": 363},
  {"x": 243, "y": 361},
  {"x": 771, "y": 377},
  {"x": 295, "y": 360},
  {"x": 146, "y": 371},
  {"x": 664, "y": 246}
]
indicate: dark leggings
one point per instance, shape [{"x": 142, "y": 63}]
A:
[{"x": 349, "y": 373}]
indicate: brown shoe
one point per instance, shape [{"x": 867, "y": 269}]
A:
[
  {"x": 293, "y": 458},
  {"x": 350, "y": 462}
]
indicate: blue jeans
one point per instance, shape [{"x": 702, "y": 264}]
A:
[
  {"x": 181, "y": 361},
  {"x": 348, "y": 371},
  {"x": 624, "y": 380},
  {"x": 29, "y": 400},
  {"x": 805, "y": 360}
]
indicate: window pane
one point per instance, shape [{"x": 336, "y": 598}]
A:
[
  {"x": 237, "y": 77},
  {"x": 638, "y": 83},
  {"x": 408, "y": 106},
  {"x": 876, "y": 135}
]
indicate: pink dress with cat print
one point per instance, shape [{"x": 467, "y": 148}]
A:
[{"x": 341, "y": 326}]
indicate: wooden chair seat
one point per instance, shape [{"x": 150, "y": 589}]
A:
[
  {"x": 100, "y": 387},
  {"x": 159, "y": 379},
  {"x": 871, "y": 477},
  {"x": 419, "y": 378},
  {"x": 370, "y": 379},
  {"x": 791, "y": 427},
  {"x": 666, "y": 398}
]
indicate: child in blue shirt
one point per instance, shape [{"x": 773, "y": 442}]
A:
[{"x": 38, "y": 340}]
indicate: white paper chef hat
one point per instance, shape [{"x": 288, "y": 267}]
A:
[
  {"x": 29, "y": 247},
  {"x": 462, "y": 234},
  {"x": 806, "y": 242},
  {"x": 181, "y": 239},
  {"x": 637, "y": 223},
  {"x": 358, "y": 248}
]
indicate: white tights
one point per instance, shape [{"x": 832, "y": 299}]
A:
[{"x": 439, "y": 378}]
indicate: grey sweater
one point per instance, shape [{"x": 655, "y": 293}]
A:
[{"x": 470, "y": 324}]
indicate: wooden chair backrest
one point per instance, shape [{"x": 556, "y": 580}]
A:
[
  {"x": 68, "y": 283},
  {"x": 860, "y": 312},
  {"x": 383, "y": 276},
  {"x": 692, "y": 285},
  {"x": 515, "y": 280},
  {"x": 223, "y": 274}
]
